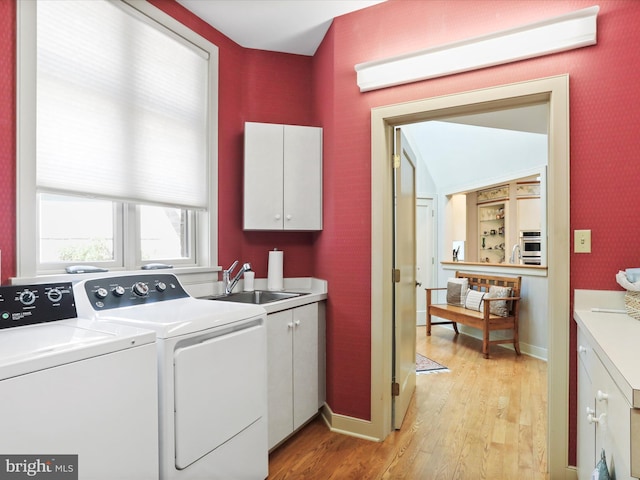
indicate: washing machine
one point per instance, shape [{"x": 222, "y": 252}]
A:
[
  {"x": 79, "y": 398},
  {"x": 211, "y": 373}
]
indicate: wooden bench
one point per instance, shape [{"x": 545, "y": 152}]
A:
[{"x": 484, "y": 319}]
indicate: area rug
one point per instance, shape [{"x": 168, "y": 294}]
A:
[{"x": 425, "y": 366}]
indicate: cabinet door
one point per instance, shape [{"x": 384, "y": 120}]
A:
[
  {"x": 322, "y": 354},
  {"x": 529, "y": 214},
  {"x": 263, "y": 176},
  {"x": 586, "y": 451},
  {"x": 279, "y": 374},
  {"x": 613, "y": 430},
  {"x": 302, "y": 178},
  {"x": 305, "y": 363}
]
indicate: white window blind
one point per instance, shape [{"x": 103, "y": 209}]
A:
[{"x": 121, "y": 107}]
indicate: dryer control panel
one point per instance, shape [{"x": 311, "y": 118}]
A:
[
  {"x": 130, "y": 290},
  {"x": 22, "y": 305}
]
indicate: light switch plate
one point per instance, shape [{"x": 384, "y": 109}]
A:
[{"x": 582, "y": 241}]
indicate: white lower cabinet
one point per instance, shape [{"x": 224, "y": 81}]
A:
[
  {"x": 293, "y": 369},
  {"x": 604, "y": 417},
  {"x": 586, "y": 452}
]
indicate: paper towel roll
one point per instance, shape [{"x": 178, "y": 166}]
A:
[
  {"x": 275, "y": 280},
  {"x": 249, "y": 277}
]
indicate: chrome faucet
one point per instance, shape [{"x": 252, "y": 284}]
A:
[
  {"x": 226, "y": 275},
  {"x": 513, "y": 258}
]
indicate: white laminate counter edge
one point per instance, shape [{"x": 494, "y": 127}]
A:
[{"x": 615, "y": 337}]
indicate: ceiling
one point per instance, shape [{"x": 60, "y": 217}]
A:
[
  {"x": 298, "y": 27},
  {"x": 532, "y": 119},
  {"x": 288, "y": 26}
]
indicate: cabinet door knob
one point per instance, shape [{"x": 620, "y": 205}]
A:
[
  {"x": 278, "y": 216},
  {"x": 590, "y": 411},
  {"x": 289, "y": 325},
  {"x": 593, "y": 419},
  {"x": 582, "y": 349},
  {"x": 297, "y": 322},
  {"x": 600, "y": 395},
  {"x": 288, "y": 217}
]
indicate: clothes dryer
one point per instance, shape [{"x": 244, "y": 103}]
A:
[{"x": 211, "y": 369}]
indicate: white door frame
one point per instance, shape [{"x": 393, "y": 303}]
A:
[{"x": 555, "y": 91}]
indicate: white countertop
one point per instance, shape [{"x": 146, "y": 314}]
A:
[{"x": 615, "y": 337}]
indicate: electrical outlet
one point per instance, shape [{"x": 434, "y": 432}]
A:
[{"x": 582, "y": 241}]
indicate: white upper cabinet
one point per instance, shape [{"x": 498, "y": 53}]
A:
[
  {"x": 529, "y": 214},
  {"x": 282, "y": 177}
]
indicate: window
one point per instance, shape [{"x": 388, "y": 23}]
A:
[
  {"x": 117, "y": 121},
  {"x": 165, "y": 232},
  {"x": 76, "y": 229}
]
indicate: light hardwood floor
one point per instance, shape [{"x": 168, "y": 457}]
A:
[{"x": 485, "y": 419}]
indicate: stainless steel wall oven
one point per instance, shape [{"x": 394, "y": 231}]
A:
[{"x": 531, "y": 245}]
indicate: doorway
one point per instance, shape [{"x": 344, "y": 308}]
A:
[
  {"x": 425, "y": 255},
  {"x": 553, "y": 90}
]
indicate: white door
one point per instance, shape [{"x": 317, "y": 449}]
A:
[
  {"x": 425, "y": 228},
  {"x": 404, "y": 278}
]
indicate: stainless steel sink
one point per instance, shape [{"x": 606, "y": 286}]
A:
[{"x": 257, "y": 297}]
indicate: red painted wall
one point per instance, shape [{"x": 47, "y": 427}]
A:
[
  {"x": 255, "y": 86},
  {"x": 262, "y": 86},
  {"x": 7, "y": 139},
  {"x": 604, "y": 171}
]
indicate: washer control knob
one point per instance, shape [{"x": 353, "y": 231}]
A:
[
  {"x": 141, "y": 289},
  {"x": 101, "y": 293},
  {"x": 27, "y": 297},
  {"x": 118, "y": 290},
  {"x": 161, "y": 286},
  {"x": 54, "y": 295}
]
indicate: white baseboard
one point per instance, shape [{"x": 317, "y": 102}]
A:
[{"x": 354, "y": 427}]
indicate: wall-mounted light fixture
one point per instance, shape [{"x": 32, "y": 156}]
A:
[{"x": 565, "y": 32}]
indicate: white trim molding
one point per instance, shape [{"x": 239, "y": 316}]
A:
[{"x": 558, "y": 34}]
